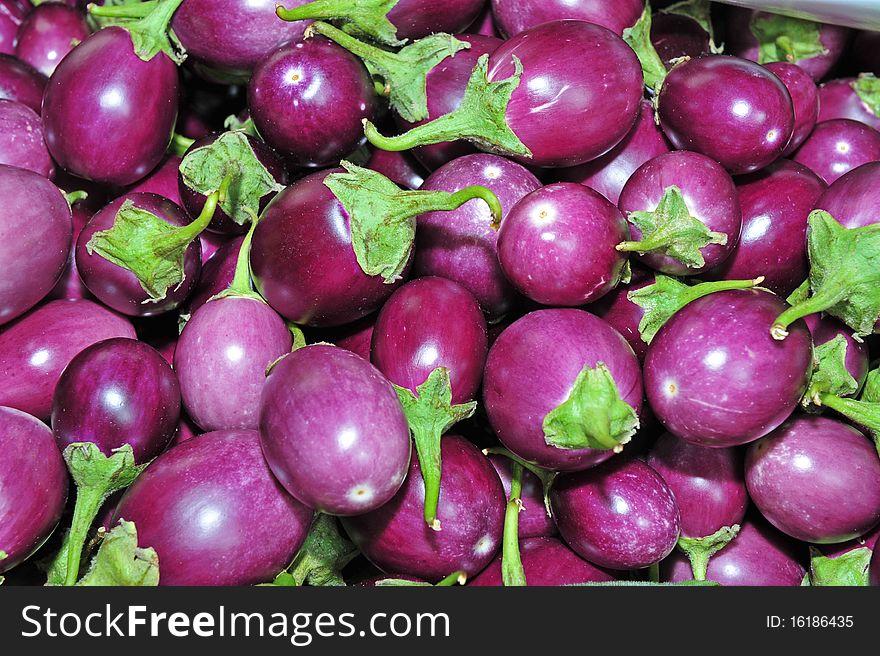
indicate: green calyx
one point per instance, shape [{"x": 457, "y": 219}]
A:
[
  {"x": 593, "y": 416},
  {"x": 671, "y": 230},
  {"x": 668, "y": 295},
  {"x": 849, "y": 569},
  {"x": 97, "y": 477},
  {"x": 151, "y": 248},
  {"x": 120, "y": 562},
  {"x": 638, "y": 37},
  {"x": 430, "y": 414},
  {"x": 865, "y": 411},
  {"x": 830, "y": 375},
  {"x": 512, "y": 572},
  {"x": 867, "y": 88},
  {"x": 361, "y": 18},
  {"x": 404, "y": 73},
  {"x": 231, "y": 155},
  {"x": 481, "y": 118},
  {"x": 782, "y": 38},
  {"x": 321, "y": 559},
  {"x": 241, "y": 286},
  {"x": 148, "y": 23},
  {"x": 844, "y": 276},
  {"x": 383, "y": 216},
  {"x": 700, "y": 550}
]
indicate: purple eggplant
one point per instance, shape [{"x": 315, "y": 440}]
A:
[
  {"x": 48, "y": 33},
  {"x": 744, "y": 124},
  {"x": 484, "y": 25},
  {"x": 825, "y": 328},
  {"x": 428, "y": 323},
  {"x": 401, "y": 168},
  {"x": 758, "y": 556},
  {"x": 841, "y": 99},
  {"x": 308, "y": 99},
  {"x": 775, "y": 204},
  {"x": 120, "y": 288},
  {"x": 92, "y": 100},
  {"x": 539, "y": 370},
  {"x": 557, "y": 245},
  {"x": 714, "y": 376},
  {"x": 444, "y": 89},
  {"x": 549, "y": 114},
  {"x": 396, "y": 538},
  {"x": 231, "y": 38},
  {"x": 852, "y": 199},
  {"x": 12, "y": 14},
  {"x": 515, "y": 16},
  {"x": 675, "y": 36},
  {"x": 620, "y": 514},
  {"x": 214, "y": 514},
  {"x": 70, "y": 286},
  {"x": 193, "y": 201},
  {"x": 684, "y": 213},
  {"x": 221, "y": 360},
  {"x": 119, "y": 391},
  {"x": 21, "y": 139},
  {"x": 624, "y": 315},
  {"x": 35, "y": 235},
  {"x": 218, "y": 272},
  {"x": 816, "y": 479},
  {"x": 162, "y": 181},
  {"x": 333, "y": 431},
  {"x": 534, "y": 519},
  {"x": 461, "y": 245},
  {"x": 708, "y": 484},
  {"x": 36, "y": 349},
  {"x": 804, "y": 101},
  {"x": 764, "y": 37},
  {"x": 356, "y": 336},
  {"x": 546, "y": 561},
  {"x": 609, "y": 173},
  {"x": 303, "y": 262},
  {"x": 33, "y": 485},
  {"x": 21, "y": 83},
  {"x": 837, "y": 146}
]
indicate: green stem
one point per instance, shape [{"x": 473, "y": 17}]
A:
[
  {"x": 88, "y": 503},
  {"x": 449, "y": 127},
  {"x": 446, "y": 202},
  {"x": 74, "y": 196},
  {"x": 512, "y": 573},
  {"x": 456, "y": 578},
  {"x": 645, "y": 245},
  {"x": 241, "y": 281},
  {"x": 546, "y": 477},
  {"x": 318, "y": 10},
  {"x": 137, "y": 10},
  {"x": 363, "y": 50},
  {"x": 180, "y": 144},
  {"x": 705, "y": 288},
  {"x": 185, "y": 234},
  {"x": 831, "y": 292},
  {"x": 654, "y": 573}
]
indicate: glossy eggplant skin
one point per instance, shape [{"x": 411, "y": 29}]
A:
[
  {"x": 744, "y": 123},
  {"x": 775, "y": 205},
  {"x": 333, "y": 430},
  {"x": 108, "y": 114},
  {"x": 708, "y": 484},
  {"x": 838, "y": 146},
  {"x": 804, "y": 101},
  {"x": 48, "y": 34},
  {"x": 396, "y": 538},
  {"x": 461, "y": 245},
  {"x": 609, "y": 173},
  {"x": 714, "y": 375},
  {"x": 546, "y": 561},
  {"x": 852, "y": 199},
  {"x": 221, "y": 360},
  {"x": 33, "y": 485},
  {"x": 515, "y": 16},
  {"x": 412, "y": 336},
  {"x": 303, "y": 262},
  {"x": 816, "y": 479},
  {"x": 21, "y": 82},
  {"x": 567, "y": 115},
  {"x": 622, "y": 314},
  {"x": 21, "y": 139},
  {"x": 758, "y": 556},
  {"x": 557, "y": 245},
  {"x": 838, "y": 99},
  {"x": 531, "y": 369},
  {"x": 620, "y": 514},
  {"x": 36, "y": 349},
  {"x": 415, "y": 19},
  {"x": 35, "y": 238},
  {"x": 308, "y": 99},
  {"x": 214, "y": 514},
  {"x": 232, "y": 37},
  {"x": 118, "y": 391}
]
